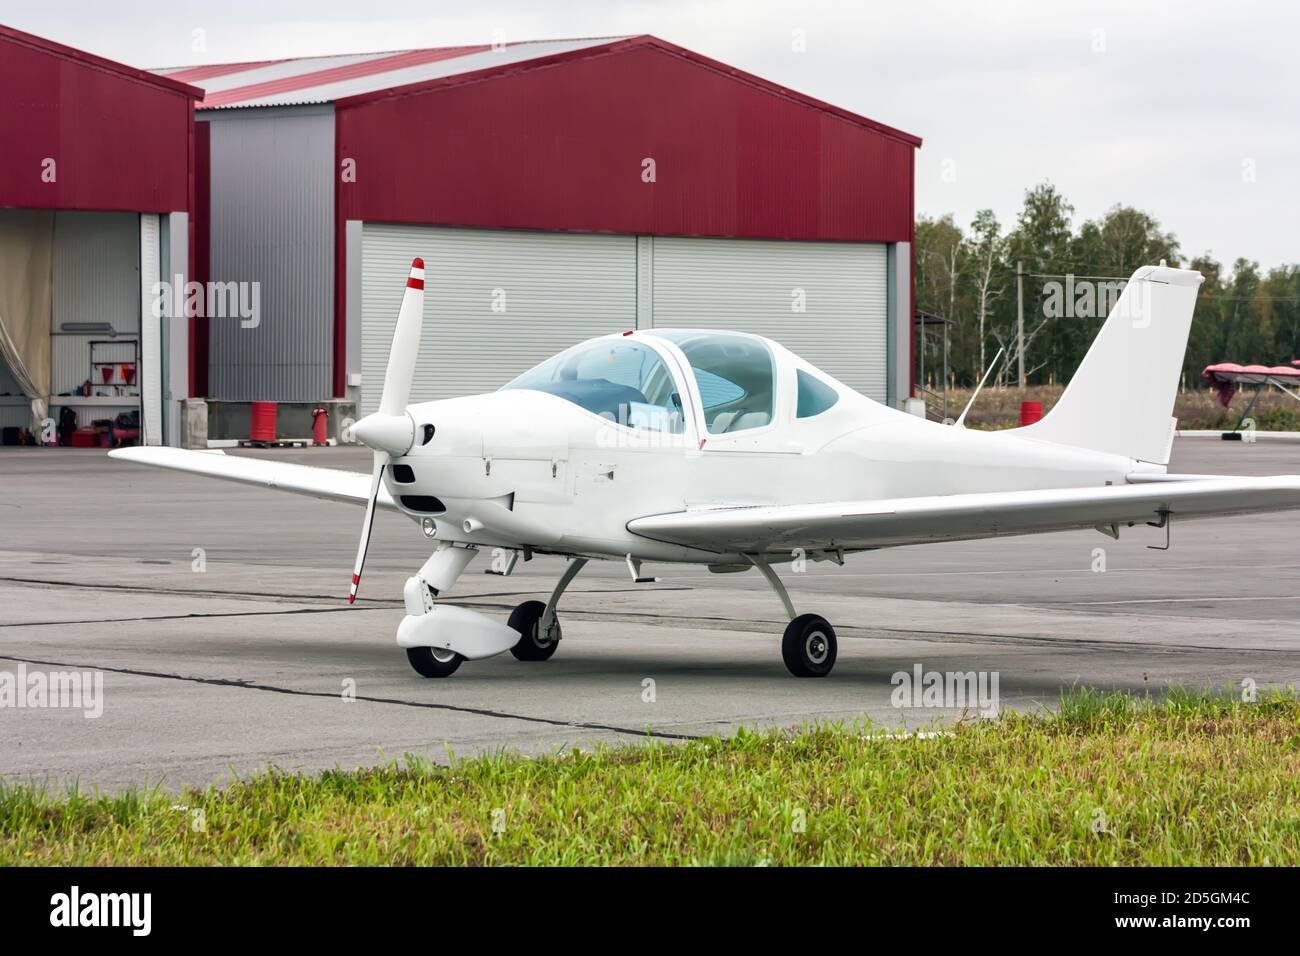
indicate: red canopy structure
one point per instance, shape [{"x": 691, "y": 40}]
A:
[{"x": 1225, "y": 378}]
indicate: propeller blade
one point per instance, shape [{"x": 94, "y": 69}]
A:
[
  {"x": 390, "y": 431},
  {"x": 406, "y": 345},
  {"x": 381, "y": 461}
]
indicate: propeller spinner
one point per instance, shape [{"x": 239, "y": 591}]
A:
[{"x": 390, "y": 431}]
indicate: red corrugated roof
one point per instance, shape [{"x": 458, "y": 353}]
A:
[
  {"x": 325, "y": 79},
  {"x": 337, "y": 74},
  {"x": 192, "y": 74}
]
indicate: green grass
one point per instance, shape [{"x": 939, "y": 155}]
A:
[{"x": 1191, "y": 778}]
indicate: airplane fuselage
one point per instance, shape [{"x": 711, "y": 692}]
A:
[{"x": 522, "y": 468}]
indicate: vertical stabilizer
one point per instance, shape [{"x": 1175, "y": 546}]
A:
[{"x": 1121, "y": 398}]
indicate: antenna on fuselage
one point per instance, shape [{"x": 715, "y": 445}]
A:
[{"x": 962, "y": 417}]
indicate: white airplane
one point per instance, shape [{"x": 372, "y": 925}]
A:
[{"x": 726, "y": 450}]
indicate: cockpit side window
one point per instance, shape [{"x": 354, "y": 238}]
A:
[
  {"x": 735, "y": 375},
  {"x": 815, "y": 396},
  {"x": 625, "y": 382}
]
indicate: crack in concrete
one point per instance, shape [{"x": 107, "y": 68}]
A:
[{"x": 331, "y": 695}]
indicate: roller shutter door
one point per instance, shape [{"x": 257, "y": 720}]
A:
[
  {"x": 496, "y": 302},
  {"x": 758, "y": 286}
]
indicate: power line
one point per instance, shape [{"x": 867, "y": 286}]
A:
[
  {"x": 1255, "y": 298},
  {"x": 1073, "y": 275}
]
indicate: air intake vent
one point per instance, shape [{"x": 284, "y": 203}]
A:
[
  {"x": 426, "y": 504},
  {"x": 403, "y": 475}
]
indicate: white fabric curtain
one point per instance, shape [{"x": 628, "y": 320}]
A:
[{"x": 26, "y": 302}]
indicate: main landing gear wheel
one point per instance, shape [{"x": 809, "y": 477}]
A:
[
  {"x": 433, "y": 661},
  {"x": 533, "y": 645},
  {"x": 808, "y": 646}
]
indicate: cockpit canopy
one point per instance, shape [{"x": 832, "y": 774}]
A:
[
  {"x": 629, "y": 382},
  {"x": 735, "y": 375},
  {"x": 618, "y": 379}
]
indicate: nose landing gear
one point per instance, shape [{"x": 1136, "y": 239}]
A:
[{"x": 438, "y": 637}]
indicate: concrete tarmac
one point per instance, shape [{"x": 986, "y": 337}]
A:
[{"x": 217, "y": 617}]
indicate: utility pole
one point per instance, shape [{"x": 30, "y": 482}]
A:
[{"x": 1020, "y": 322}]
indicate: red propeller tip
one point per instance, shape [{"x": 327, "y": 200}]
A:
[
  {"x": 352, "y": 598},
  {"x": 417, "y": 263}
]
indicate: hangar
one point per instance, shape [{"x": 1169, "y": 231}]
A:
[
  {"x": 557, "y": 190},
  {"x": 95, "y": 202}
]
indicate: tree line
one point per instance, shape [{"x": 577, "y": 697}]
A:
[{"x": 968, "y": 277}]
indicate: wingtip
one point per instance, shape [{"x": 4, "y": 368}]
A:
[{"x": 130, "y": 453}]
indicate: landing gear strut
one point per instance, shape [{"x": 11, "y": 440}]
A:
[
  {"x": 538, "y": 627},
  {"x": 808, "y": 645}
]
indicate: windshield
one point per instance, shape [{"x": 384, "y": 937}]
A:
[
  {"x": 735, "y": 375},
  {"x": 621, "y": 380}
]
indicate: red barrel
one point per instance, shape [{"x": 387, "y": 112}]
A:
[
  {"x": 261, "y": 422},
  {"x": 319, "y": 426},
  {"x": 1030, "y": 412}
]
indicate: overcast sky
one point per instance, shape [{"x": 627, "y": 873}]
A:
[{"x": 1190, "y": 111}]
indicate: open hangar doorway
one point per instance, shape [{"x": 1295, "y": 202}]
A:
[{"x": 81, "y": 350}]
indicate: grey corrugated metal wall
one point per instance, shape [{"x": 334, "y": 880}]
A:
[
  {"x": 496, "y": 302},
  {"x": 824, "y": 301},
  {"x": 272, "y": 222}
]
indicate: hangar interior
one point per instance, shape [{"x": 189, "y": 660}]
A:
[
  {"x": 78, "y": 307},
  {"x": 86, "y": 266}
]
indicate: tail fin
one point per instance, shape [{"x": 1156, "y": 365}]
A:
[{"x": 1121, "y": 398}]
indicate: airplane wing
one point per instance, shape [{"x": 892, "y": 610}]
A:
[
  {"x": 328, "y": 483},
  {"x": 897, "y": 521}
]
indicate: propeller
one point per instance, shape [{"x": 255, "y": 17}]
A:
[{"x": 390, "y": 431}]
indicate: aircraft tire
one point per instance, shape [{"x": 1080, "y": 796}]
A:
[
  {"x": 429, "y": 664},
  {"x": 525, "y": 619},
  {"x": 809, "y": 646}
]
